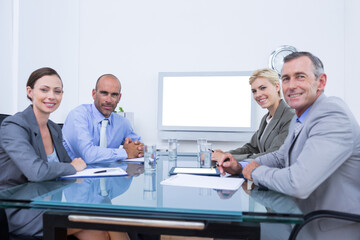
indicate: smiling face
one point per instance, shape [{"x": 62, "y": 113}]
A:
[
  {"x": 107, "y": 95},
  {"x": 299, "y": 84},
  {"x": 46, "y": 94},
  {"x": 265, "y": 93}
]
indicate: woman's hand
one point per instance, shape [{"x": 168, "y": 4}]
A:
[{"x": 78, "y": 164}]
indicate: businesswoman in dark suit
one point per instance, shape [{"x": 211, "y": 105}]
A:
[
  {"x": 31, "y": 150},
  {"x": 274, "y": 125}
]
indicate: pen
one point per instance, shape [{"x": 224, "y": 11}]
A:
[
  {"x": 226, "y": 160},
  {"x": 107, "y": 170}
]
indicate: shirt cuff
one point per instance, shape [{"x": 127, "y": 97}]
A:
[
  {"x": 123, "y": 153},
  {"x": 251, "y": 174},
  {"x": 243, "y": 164}
]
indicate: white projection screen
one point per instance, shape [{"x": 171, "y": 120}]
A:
[{"x": 205, "y": 102}]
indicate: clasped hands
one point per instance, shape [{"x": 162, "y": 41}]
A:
[{"x": 134, "y": 149}]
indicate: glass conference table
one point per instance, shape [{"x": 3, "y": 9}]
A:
[{"x": 139, "y": 203}]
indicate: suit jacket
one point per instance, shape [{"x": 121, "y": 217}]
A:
[
  {"x": 272, "y": 138},
  {"x": 321, "y": 165},
  {"x": 22, "y": 153},
  {"x": 23, "y": 159}
]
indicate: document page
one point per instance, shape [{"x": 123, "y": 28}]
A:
[
  {"x": 97, "y": 172},
  {"x": 187, "y": 180},
  {"x": 195, "y": 170}
]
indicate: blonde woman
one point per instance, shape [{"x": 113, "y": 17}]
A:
[{"x": 274, "y": 126}]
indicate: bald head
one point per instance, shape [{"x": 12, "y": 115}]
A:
[
  {"x": 107, "y": 76},
  {"x": 107, "y": 94}
]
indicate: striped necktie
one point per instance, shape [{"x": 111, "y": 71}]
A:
[{"x": 297, "y": 128}]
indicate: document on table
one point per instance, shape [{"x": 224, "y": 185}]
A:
[
  {"x": 97, "y": 172},
  {"x": 187, "y": 180},
  {"x": 134, "y": 159},
  {"x": 196, "y": 171}
]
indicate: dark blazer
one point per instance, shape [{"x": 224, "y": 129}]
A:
[
  {"x": 22, "y": 153},
  {"x": 273, "y": 137},
  {"x": 23, "y": 159}
]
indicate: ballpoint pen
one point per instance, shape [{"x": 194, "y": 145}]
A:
[
  {"x": 105, "y": 170},
  {"x": 225, "y": 160}
]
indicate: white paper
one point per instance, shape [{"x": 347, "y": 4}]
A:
[
  {"x": 134, "y": 159},
  {"x": 187, "y": 180},
  {"x": 195, "y": 170},
  {"x": 97, "y": 172}
]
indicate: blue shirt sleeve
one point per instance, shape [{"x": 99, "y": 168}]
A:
[
  {"x": 81, "y": 134},
  {"x": 243, "y": 164}
]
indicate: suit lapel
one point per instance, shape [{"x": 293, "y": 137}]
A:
[
  {"x": 274, "y": 121},
  {"x": 307, "y": 119},
  {"x": 37, "y": 140},
  {"x": 294, "y": 139},
  {"x": 260, "y": 140}
]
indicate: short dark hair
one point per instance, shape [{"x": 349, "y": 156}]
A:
[
  {"x": 39, "y": 73},
  {"x": 106, "y": 75},
  {"x": 317, "y": 64}
]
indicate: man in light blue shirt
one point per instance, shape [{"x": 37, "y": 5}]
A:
[{"x": 81, "y": 130}]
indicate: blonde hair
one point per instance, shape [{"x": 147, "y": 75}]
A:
[{"x": 267, "y": 73}]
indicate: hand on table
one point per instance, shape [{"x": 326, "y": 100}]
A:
[
  {"x": 134, "y": 149},
  {"x": 249, "y": 168},
  {"x": 227, "y": 163},
  {"x": 78, "y": 164}
]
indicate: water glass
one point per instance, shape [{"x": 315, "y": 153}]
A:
[
  {"x": 172, "y": 149},
  {"x": 200, "y": 142},
  {"x": 205, "y": 155},
  {"x": 149, "y": 158}
]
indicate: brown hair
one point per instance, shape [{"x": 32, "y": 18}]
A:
[{"x": 39, "y": 73}]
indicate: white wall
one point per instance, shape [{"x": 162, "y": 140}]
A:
[
  {"x": 137, "y": 39},
  {"x": 6, "y": 58},
  {"x": 352, "y": 55},
  {"x": 49, "y": 36}
]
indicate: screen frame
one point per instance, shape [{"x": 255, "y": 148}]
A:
[{"x": 191, "y": 132}]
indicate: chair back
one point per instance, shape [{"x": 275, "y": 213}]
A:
[
  {"x": 4, "y": 228},
  {"x": 2, "y": 117}
]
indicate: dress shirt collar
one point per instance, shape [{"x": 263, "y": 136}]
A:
[
  {"x": 98, "y": 117},
  {"x": 301, "y": 119}
]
